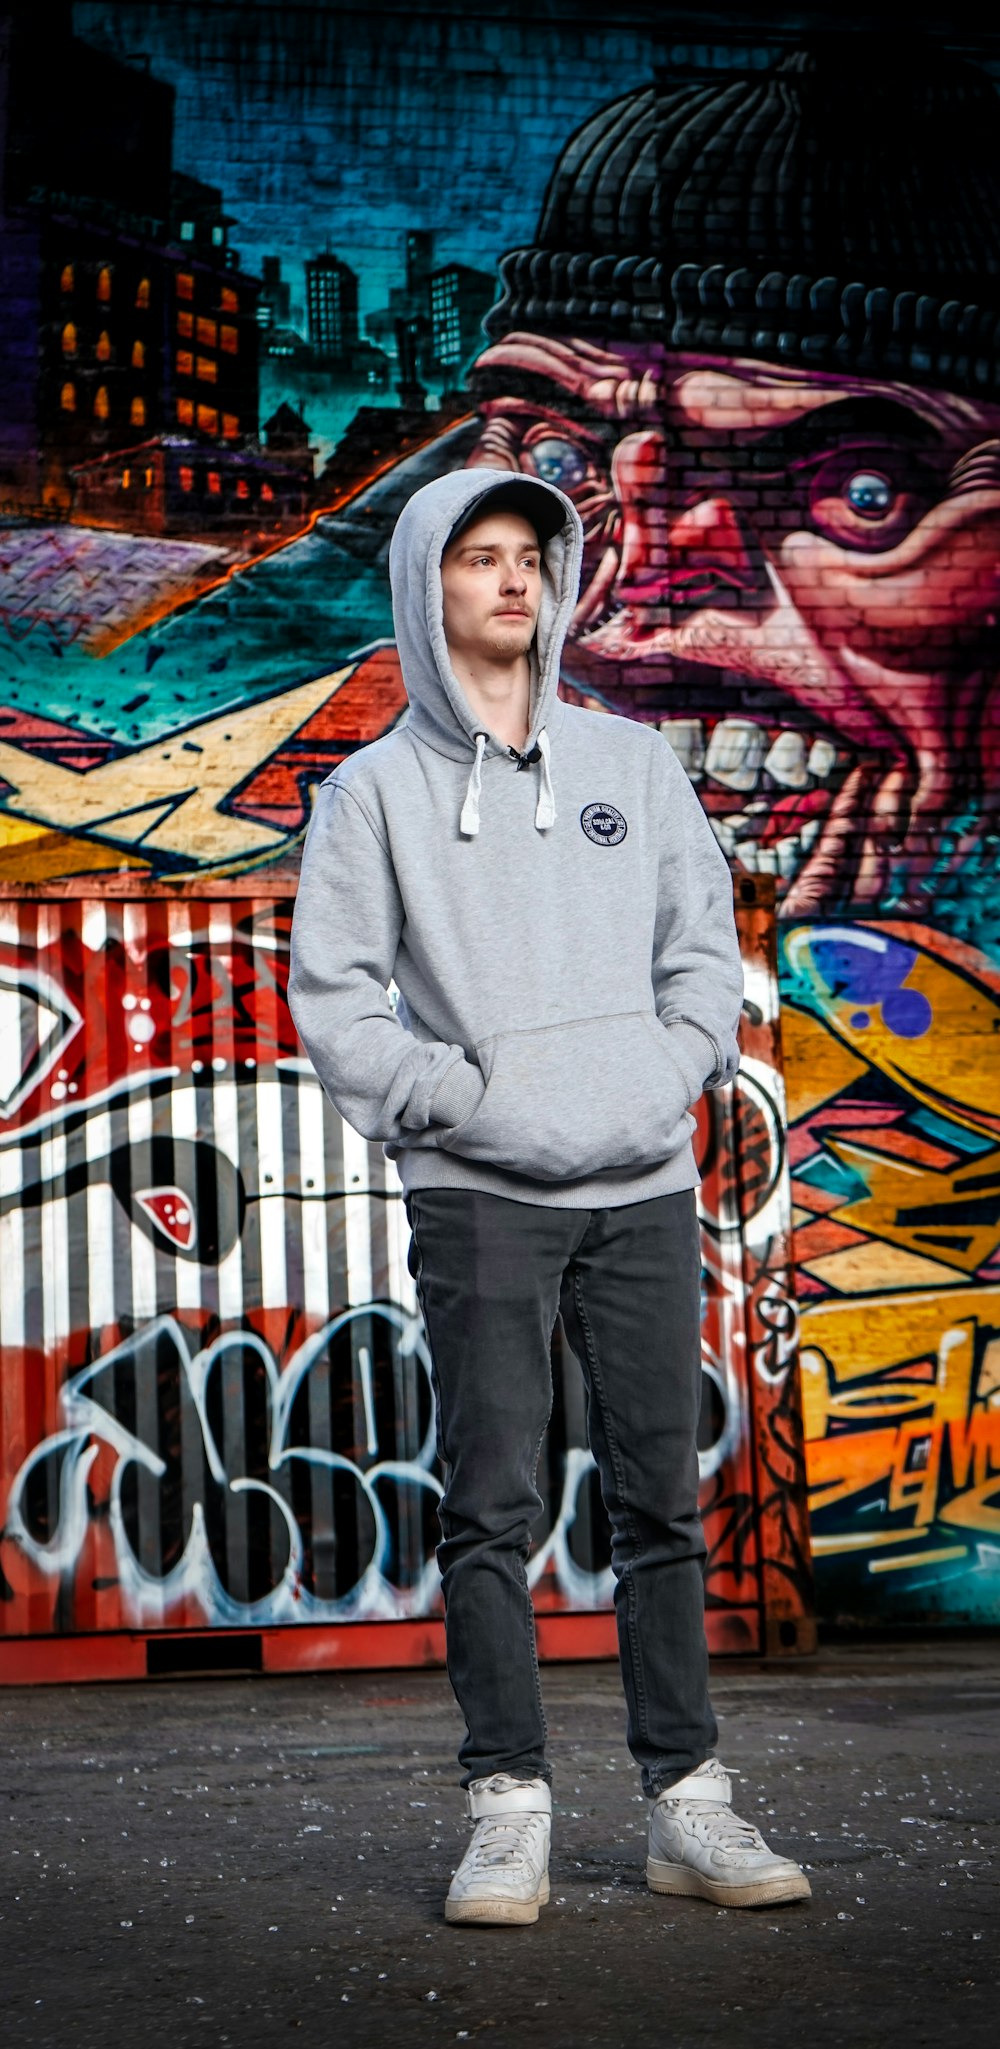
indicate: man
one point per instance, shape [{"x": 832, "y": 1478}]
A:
[{"x": 542, "y": 887}]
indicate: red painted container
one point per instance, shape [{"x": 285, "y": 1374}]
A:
[{"x": 216, "y": 1423}]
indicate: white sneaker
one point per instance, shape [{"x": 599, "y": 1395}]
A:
[
  {"x": 698, "y": 1845},
  {"x": 504, "y": 1876}
]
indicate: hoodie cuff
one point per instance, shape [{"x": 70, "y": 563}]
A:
[
  {"x": 458, "y": 1095},
  {"x": 695, "y": 1055}
]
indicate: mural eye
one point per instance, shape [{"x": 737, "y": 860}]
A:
[
  {"x": 868, "y": 494},
  {"x": 558, "y": 462},
  {"x": 870, "y": 505}
]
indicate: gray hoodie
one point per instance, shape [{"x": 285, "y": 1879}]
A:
[{"x": 560, "y": 932}]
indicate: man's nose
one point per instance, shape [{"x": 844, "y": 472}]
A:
[
  {"x": 512, "y": 577},
  {"x": 681, "y": 540}
]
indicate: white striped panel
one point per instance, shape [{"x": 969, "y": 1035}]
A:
[
  {"x": 184, "y": 1124},
  {"x": 226, "y": 1132},
  {"x": 401, "y": 1287},
  {"x": 54, "y": 1245},
  {"x": 144, "y": 1304},
  {"x": 12, "y": 1274},
  {"x": 271, "y": 1207},
  {"x": 314, "y": 1221},
  {"x": 101, "y": 1304},
  {"x": 357, "y": 1221}
]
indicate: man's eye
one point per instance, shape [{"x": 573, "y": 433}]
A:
[{"x": 557, "y": 462}]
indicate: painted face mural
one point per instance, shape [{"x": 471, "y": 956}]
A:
[{"x": 826, "y": 549}]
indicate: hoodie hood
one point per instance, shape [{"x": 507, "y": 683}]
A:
[{"x": 440, "y": 712}]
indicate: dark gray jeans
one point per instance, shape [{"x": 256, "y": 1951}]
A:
[{"x": 492, "y": 1275}]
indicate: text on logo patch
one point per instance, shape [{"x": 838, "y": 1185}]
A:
[{"x": 603, "y": 824}]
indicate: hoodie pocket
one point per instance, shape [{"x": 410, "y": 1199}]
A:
[{"x": 566, "y": 1101}]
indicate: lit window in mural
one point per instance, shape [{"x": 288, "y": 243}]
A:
[
  {"x": 229, "y": 339},
  {"x": 103, "y": 349},
  {"x": 207, "y": 333},
  {"x": 67, "y": 278},
  {"x": 185, "y": 363},
  {"x": 185, "y": 412},
  {"x": 185, "y": 477},
  {"x": 101, "y": 404},
  {"x": 69, "y": 339},
  {"x": 185, "y": 284},
  {"x": 185, "y": 323},
  {"x": 230, "y": 426},
  {"x": 214, "y": 482},
  {"x": 67, "y": 398},
  {"x": 207, "y": 370},
  {"x": 229, "y": 300},
  {"x": 142, "y": 293},
  {"x": 104, "y": 284},
  {"x": 208, "y": 420},
  {"x": 138, "y": 355},
  {"x": 137, "y": 412}
]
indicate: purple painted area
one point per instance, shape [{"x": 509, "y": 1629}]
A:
[{"x": 854, "y": 970}]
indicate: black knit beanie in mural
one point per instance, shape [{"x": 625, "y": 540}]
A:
[{"x": 840, "y": 211}]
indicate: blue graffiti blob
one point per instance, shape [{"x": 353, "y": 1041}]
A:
[{"x": 858, "y": 971}]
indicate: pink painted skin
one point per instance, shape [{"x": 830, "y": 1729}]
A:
[{"x": 835, "y": 538}]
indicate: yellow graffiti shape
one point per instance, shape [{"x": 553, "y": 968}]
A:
[
  {"x": 951, "y": 1215},
  {"x": 170, "y": 797},
  {"x": 952, "y": 1065}
]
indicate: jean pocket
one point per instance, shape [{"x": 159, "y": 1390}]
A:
[{"x": 565, "y": 1101}]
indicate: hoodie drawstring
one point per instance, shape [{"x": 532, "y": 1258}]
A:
[
  {"x": 469, "y": 821},
  {"x": 545, "y": 809}
]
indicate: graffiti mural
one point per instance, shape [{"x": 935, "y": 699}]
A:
[
  {"x": 217, "y": 1393},
  {"x": 758, "y": 344}
]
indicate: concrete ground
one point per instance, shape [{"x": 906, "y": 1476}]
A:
[{"x": 228, "y": 1861}]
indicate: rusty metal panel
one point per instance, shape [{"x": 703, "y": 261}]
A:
[{"x": 215, "y": 1397}]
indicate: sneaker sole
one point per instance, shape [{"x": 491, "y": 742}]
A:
[
  {"x": 497, "y": 1913},
  {"x": 763, "y": 1892}
]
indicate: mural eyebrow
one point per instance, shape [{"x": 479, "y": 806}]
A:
[
  {"x": 829, "y": 425},
  {"x": 547, "y": 393}
]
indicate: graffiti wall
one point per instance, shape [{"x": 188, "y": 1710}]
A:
[
  {"x": 217, "y": 1405},
  {"x": 741, "y": 299}
]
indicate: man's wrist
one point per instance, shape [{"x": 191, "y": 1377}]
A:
[{"x": 458, "y": 1095}]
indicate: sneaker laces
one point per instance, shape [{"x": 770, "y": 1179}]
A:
[
  {"x": 726, "y": 1829},
  {"x": 499, "y": 1839}
]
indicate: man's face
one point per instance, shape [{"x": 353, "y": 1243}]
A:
[
  {"x": 491, "y": 580},
  {"x": 809, "y": 562}
]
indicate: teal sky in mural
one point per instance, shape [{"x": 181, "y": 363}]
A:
[{"x": 366, "y": 133}]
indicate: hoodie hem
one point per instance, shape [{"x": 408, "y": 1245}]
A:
[{"x": 432, "y": 1169}]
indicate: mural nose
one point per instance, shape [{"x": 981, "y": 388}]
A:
[{"x": 673, "y": 554}]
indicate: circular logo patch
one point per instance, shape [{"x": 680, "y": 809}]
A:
[{"x": 603, "y": 824}]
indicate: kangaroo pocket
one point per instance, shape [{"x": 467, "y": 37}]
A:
[{"x": 565, "y": 1101}]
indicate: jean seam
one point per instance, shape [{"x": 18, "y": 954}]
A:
[
  {"x": 523, "y": 1574},
  {"x": 615, "y": 1457}
]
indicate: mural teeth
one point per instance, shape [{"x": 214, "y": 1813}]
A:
[
  {"x": 786, "y": 761},
  {"x": 735, "y": 754},
  {"x": 822, "y": 755},
  {"x": 687, "y": 738}
]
